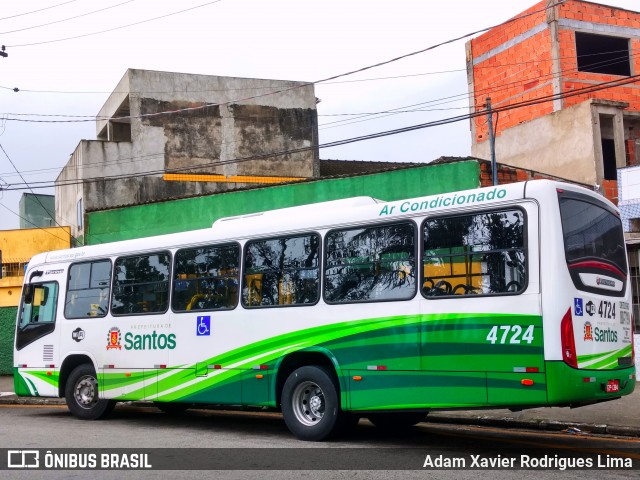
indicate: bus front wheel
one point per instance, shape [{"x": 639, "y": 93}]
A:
[
  {"x": 311, "y": 404},
  {"x": 81, "y": 393}
]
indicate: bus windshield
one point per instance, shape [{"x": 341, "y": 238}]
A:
[{"x": 594, "y": 233}]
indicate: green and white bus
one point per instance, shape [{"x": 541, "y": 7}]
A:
[{"x": 512, "y": 296}]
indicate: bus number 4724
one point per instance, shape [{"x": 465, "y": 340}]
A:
[{"x": 510, "y": 334}]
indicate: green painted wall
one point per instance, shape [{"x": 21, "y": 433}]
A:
[
  {"x": 7, "y": 329},
  {"x": 200, "y": 212}
]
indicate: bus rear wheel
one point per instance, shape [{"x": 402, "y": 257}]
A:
[
  {"x": 81, "y": 394},
  {"x": 311, "y": 404}
]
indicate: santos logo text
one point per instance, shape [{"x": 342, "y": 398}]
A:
[
  {"x": 607, "y": 335},
  {"x": 152, "y": 341}
]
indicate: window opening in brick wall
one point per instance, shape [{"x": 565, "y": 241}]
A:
[
  {"x": 602, "y": 54},
  {"x": 609, "y": 159}
]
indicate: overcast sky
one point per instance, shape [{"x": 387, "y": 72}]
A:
[{"x": 275, "y": 39}]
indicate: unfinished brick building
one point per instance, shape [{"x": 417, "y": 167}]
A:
[{"x": 564, "y": 79}]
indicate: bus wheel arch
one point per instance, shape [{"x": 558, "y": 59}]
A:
[
  {"x": 68, "y": 365},
  {"x": 295, "y": 360}
]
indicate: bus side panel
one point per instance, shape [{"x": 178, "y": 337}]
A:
[
  {"x": 483, "y": 342},
  {"x": 380, "y": 390},
  {"x": 216, "y": 386},
  {"x": 255, "y": 388},
  {"x": 517, "y": 388},
  {"x": 129, "y": 384},
  {"x": 36, "y": 382}
]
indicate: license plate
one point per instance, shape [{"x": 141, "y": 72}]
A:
[{"x": 613, "y": 386}]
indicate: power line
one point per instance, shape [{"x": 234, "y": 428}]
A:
[
  {"x": 115, "y": 28},
  {"x": 66, "y": 19},
  {"x": 305, "y": 84},
  {"x": 384, "y": 114},
  {"x": 455, "y": 98},
  {"x": 39, "y": 10},
  {"x": 393, "y": 77},
  {"x": 91, "y": 118}
]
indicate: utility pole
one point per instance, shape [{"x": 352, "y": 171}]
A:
[{"x": 492, "y": 142}]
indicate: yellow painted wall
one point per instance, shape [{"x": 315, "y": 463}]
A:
[{"x": 21, "y": 245}]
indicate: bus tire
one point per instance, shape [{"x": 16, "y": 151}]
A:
[
  {"x": 311, "y": 404},
  {"x": 396, "y": 421},
  {"x": 81, "y": 393}
]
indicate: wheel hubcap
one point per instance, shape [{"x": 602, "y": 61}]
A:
[
  {"x": 86, "y": 392},
  {"x": 308, "y": 403}
]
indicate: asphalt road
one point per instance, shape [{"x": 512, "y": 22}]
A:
[{"x": 258, "y": 445}]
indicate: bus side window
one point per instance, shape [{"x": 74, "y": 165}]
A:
[
  {"x": 206, "y": 278},
  {"x": 282, "y": 271},
  {"x": 370, "y": 264},
  {"x": 88, "y": 289},
  {"x": 478, "y": 254},
  {"x": 39, "y": 304},
  {"x": 141, "y": 284}
]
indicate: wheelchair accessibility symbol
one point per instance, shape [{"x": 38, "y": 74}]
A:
[{"x": 203, "y": 326}]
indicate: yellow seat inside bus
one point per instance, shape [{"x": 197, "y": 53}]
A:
[{"x": 448, "y": 274}]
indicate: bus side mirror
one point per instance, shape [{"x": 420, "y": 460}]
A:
[{"x": 28, "y": 294}]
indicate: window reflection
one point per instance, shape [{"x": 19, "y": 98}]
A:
[
  {"x": 281, "y": 271},
  {"x": 474, "y": 254},
  {"x": 88, "y": 290},
  {"x": 370, "y": 264},
  {"x": 206, "y": 278},
  {"x": 141, "y": 284}
]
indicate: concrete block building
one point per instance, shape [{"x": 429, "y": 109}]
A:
[
  {"x": 170, "y": 135},
  {"x": 563, "y": 79}
]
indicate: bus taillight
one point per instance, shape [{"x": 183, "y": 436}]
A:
[{"x": 568, "y": 342}]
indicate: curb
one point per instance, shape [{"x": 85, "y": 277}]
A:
[
  {"x": 15, "y": 400},
  {"x": 483, "y": 421},
  {"x": 546, "y": 425}
]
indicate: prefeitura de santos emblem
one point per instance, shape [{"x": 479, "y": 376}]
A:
[
  {"x": 113, "y": 339},
  {"x": 588, "y": 332}
]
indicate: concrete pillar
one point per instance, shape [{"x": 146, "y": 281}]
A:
[
  {"x": 597, "y": 145},
  {"x": 556, "y": 80},
  {"x": 471, "y": 90},
  {"x": 618, "y": 139}
]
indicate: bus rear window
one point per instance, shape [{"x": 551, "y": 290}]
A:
[{"x": 592, "y": 232}]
